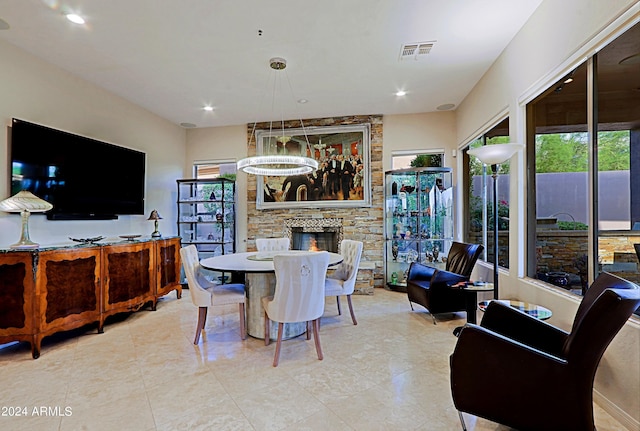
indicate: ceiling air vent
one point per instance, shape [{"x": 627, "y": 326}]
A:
[{"x": 415, "y": 51}]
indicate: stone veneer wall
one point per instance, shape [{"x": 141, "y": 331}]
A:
[{"x": 360, "y": 224}]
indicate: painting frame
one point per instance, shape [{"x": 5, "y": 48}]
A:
[{"x": 318, "y": 189}]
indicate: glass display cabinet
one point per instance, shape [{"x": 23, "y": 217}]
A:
[
  {"x": 418, "y": 220},
  {"x": 206, "y": 215}
]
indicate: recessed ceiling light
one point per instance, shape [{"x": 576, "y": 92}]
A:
[
  {"x": 445, "y": 107},
  {"x": 208, "y": 108},
  {"x": 75, "y": 18},
  {"x": 401, "y": 93},
  {"x": 188, "y": 125},
  {"x": 302, "y": 101}
]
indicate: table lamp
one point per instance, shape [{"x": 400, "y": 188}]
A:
[
  {"x": 155, "y": 217},
  {"x": 493, "y": 155},
  {"x": 25, "y": 203}
]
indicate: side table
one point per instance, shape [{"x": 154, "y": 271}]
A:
[
  {"x": 472, "y": 298},
  {"x": 537, "y": 311}
]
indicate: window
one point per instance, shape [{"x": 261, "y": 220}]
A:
[
  {"x": 402, "y": 160},
  {"x": 479, "y": 200},
  {"x": 579, "y": 153},
  {"x": 207, "y": 170}
]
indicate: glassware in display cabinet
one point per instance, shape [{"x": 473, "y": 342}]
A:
[
  {"x": 418, "y": 221},
  {"x": 206, "y": 215}
]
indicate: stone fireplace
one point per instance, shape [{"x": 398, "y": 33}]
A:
[
  {"x": 314, "y": 233},
  {"x": 318, "y": 223}
]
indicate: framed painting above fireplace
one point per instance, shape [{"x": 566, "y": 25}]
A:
[{"x": 343, "y": 177}]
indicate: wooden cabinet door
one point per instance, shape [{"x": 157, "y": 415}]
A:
[
  {"x": 128, "y": 277},
  {"x": 168, "y": 266},
  {"x": 17, "y": 295},
  {"x": 67, "y": 289}
]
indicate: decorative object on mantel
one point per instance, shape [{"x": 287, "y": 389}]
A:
[
  {"x": 493, "y": 155},
  {"x": 155, "y": 217},
  {"x": 25, "y": 203},
  {"x": 130, "y": 237},
  {"x": 87, "y": 240},
  {"x": 278, "y": 164}
]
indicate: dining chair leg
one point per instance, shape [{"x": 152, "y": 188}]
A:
[
  {"x": 267, "y": 330},
  {"x": 353, "y": 315},
  {"x": 202, "y": 319},
  {"x": 243, "y": 328},
  {"x": 339, "y": 309},
  {"x": 276, "y": 358},
  {"x": 316, "y": 337},
  {"x": 308, "y": 330}
]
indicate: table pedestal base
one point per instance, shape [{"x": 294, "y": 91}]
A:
[{"x": 257, "y": 286}]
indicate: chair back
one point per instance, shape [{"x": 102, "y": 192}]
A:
[
  {"x": 347, "y": 270},
  {"x": 299, "y": 294},
  {"x": 462, "y": 257},
  {"x": 605, "y": 308},
  {"x": 272, "y": 244},
  {"x": 191, "y": 265}
]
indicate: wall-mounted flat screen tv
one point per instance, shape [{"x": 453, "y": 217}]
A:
[{"x": 81, "y": 177}]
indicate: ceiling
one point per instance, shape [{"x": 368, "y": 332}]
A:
[{"x": 174, "y": 57}]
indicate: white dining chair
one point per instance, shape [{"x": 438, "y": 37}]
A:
[
  {"x": 298, "y": 297},
  {"x": 272, "y": 244},
  {"x": 205, "y": 293},
  {"x": 343, "y": 281}
]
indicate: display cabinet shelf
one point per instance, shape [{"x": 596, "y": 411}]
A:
[
  {"x": 206, "y": 215},
  {"x": 418, "y": 220}
]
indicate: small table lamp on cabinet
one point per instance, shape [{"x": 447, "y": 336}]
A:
[
  {"x": 155, "y": 217},
  {"x": 25, "y": 203},
  {"x": 493, "y": 155}
]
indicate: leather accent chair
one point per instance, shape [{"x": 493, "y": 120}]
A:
[
  {"x": 527, "y": 374},
  {"x": 428, "y": 286}
]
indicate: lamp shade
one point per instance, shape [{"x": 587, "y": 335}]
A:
[
  {"x": 24, "y": 201},
  {"x": 277, "y": 165},
  {"x": 495, "y": 154},
  {"x": 154, "y": 215}
]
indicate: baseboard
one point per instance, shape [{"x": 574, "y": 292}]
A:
[{"x": 616, "y": 412}]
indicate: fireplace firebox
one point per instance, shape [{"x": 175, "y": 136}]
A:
[{"x": 314, "y": 233}]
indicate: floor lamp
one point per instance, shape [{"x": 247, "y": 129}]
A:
[{"x": 493, "y": 155}]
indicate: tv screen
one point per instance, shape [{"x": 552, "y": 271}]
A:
[{"x": 81, "y": 177}]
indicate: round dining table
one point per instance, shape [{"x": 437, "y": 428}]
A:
[{"x": 259, "y": 281}]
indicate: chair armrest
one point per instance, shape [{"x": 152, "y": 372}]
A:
[
  {"x": 418, "y": 271},
  {"x": 515, "y": 324},
  {"x": 449, "y": 278},
  {"x": 489, "y": 370}
]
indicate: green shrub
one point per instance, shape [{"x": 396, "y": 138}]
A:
[{"x": 571, "y": 225}]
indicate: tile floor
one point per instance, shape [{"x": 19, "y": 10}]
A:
[{"x": 390, "y": 372}]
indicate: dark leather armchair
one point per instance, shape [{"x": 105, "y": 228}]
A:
[
  {"x": 524, "y": 373},
  {"x": 428, "y": 286}
]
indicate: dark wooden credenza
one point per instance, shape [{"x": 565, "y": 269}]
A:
[{"x": 53, "y": 289}]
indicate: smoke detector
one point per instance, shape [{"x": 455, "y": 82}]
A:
[{"x": 416, "y": 50}]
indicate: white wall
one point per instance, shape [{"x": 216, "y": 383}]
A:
[
  {"x": 433, "y": 130},
  {"x": 560, "y": 34},
  {"x": 38, "y": 92}
]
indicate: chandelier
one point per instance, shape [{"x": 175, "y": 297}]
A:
[{"x": 278, "y": 164}]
